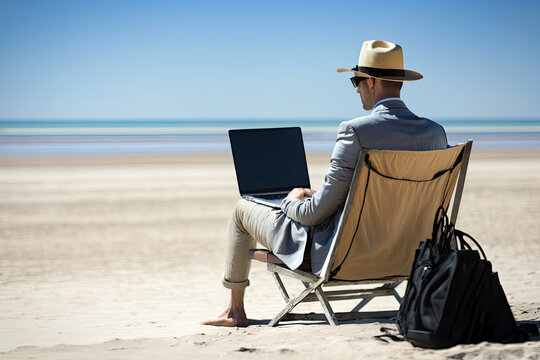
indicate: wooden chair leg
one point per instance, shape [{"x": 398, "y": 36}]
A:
[
  {"x": 291, "y": 305},
  {"x": 330, "y": 316},
  {"x": 362, "y": 303},
  {"x": 389, "y": 286},
  {"x": 393, "y": 286},
  {"x": 281, "y": 287},
  {"x": 397, "y": 296}
]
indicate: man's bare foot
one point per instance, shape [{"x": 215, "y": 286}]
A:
[{"x": 230, "y": 317}]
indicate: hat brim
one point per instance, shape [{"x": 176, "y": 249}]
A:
[{"x": 407, "y": 75}]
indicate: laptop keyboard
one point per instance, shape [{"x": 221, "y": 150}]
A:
[{"x": 272, "y": 196}]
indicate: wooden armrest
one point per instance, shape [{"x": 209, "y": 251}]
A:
[{"x": 268, "y": 257}]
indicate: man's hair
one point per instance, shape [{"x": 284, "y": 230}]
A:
[{"x": 391, "y": 85}]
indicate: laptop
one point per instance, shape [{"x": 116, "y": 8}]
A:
[{"x": 269, "y": 163}]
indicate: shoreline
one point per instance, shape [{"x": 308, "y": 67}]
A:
[
  {"x": 177, "y": 144},
  {"x": 209, "y": 157}
]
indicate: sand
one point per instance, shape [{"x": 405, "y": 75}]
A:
[{"x": 121, "y": 257}]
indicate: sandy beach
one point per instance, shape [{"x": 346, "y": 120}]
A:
[{"x": 121, "y": 257}]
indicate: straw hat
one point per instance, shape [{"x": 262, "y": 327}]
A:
[{"x": 382, "y": 60}]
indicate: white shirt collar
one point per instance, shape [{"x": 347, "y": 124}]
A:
[{"x": 383, "y": 100}]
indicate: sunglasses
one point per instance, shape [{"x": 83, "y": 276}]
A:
[{"x": 356, "y": 80}]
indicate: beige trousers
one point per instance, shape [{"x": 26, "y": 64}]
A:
[{"x": 250, "y": 223}]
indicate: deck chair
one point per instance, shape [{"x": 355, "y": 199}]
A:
[{"x": 389, "y": 209}]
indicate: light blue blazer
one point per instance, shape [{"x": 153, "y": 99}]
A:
[{"x": 390, "y": 126}]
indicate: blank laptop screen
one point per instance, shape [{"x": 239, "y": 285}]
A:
[{"x": 269, "y": 160}]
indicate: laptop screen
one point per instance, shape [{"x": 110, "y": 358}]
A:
[{"x": 269, "y": 160}]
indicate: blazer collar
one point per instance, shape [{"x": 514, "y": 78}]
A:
[{"x": 388, "y": 103}]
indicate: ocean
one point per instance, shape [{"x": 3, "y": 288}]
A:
[{"x": 76, "y": 137}]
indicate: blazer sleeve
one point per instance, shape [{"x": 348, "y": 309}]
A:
[{"x": 333, "y": 192}]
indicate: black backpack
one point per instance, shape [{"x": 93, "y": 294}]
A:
[{"x": 452, "y": 295}]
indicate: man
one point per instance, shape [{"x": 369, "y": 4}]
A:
[{"x": 309, "y": 216}]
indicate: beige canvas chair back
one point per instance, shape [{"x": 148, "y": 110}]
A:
[{"x": 390, "y": 209}]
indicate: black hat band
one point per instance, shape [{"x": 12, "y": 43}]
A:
[{"x": 380, "y": 72}]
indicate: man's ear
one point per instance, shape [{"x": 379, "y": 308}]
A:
[{"x": 371, "y": 82}]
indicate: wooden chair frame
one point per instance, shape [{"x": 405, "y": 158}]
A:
[{"x": 314, "y": 284}]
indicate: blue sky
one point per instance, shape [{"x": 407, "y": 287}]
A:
[{"x": 261, "y": 59}]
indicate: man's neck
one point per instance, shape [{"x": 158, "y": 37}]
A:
[{"x": 385, "y": 95}]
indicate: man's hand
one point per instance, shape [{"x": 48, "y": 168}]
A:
[{"x": 301, "y": 193}]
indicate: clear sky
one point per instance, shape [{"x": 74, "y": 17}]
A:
[{"x": 208, "y": 59}]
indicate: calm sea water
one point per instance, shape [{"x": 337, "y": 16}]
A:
[{"x": 65, "y": 137}]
